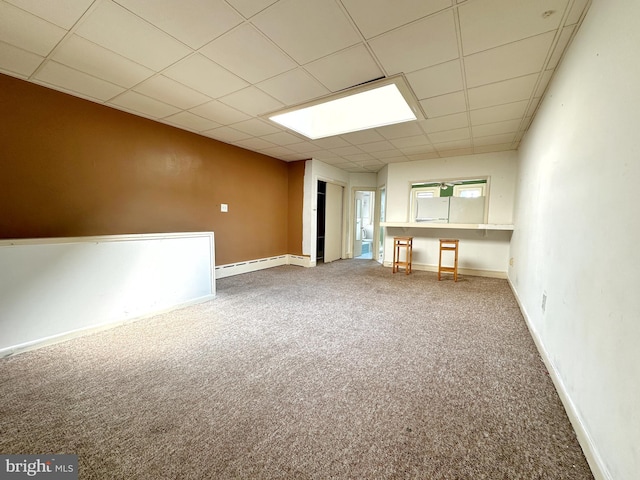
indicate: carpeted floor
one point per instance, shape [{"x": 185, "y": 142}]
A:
[{"x": 343, "y": 371}]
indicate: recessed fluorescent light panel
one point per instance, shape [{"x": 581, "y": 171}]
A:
[{"x": 376, "y": 104}]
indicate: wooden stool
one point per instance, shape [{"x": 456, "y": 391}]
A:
[
  {"x": 398, "y": 243},
  {"x": 447, "y": 244}
]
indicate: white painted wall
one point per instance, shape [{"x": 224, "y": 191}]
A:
[
  {"x": 481, "y": 252},
  {"x": 577, "y": 230},
  {"x": 55, "y": 288}
]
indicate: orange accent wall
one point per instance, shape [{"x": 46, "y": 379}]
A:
[{"x": 70, "y": 167}]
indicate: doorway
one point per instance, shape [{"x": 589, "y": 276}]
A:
[
  {"x": 329, "y": 222},
  {"x": 364, "y": 243}
]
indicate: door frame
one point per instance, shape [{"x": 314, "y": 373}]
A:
[{"x": 352, "y": 219}]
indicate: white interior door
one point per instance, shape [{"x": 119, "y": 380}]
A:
[{"x": 333, "y": 223}]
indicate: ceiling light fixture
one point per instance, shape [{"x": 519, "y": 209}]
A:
[{"x": 376, "y": 104}]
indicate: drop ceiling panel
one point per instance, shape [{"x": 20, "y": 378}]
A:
[
  {"x": 248, "y": 8},
  {"x": 62, "y": 76},
  {"x": 191, "y": 122},
  {"x": 63, "y": 13},
  {"x": 137, "y": 102},
  {"x": 331, "y": 71},
  {"x": 498, "y": 128},
  {"x": 482, "y": 29},
  {"x": 83, "y": 55},
  {"x": 421, "y": 44},
  {"x": 16, "y": 61},
  {"x": 436, "y": 80},
  {"x": 248, "y": 54},
  {"x": 448, "y": 122},
  {"x": 217, "y": 67},
  {"x": 307, "y": 29},
  {"x": 295, "y": 86},
  {"x": 119, "y": 30},
  {"x": 499, "y": 93},
  {"x": 27, "y": 31},
  {"x": 374, "y": 17},
  {"x": 508, "y": 61},
  {"x": 252, "y": 101},
  {"x": 194, "y": 22},
  {"x": 219, "y": 112},
  {"x": 444, "y": 104},
  {"x": 205, "y": 76},
  {"x": 169, "y": 91},
  {"x": 499, "y": 113}
]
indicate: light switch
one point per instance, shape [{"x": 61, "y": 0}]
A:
[{"x": 224, "y": 207}]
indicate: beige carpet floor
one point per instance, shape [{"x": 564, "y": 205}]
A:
[{"x": 344, "y": 371}]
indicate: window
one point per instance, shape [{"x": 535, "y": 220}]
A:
[{"x": 469, "y": 191}]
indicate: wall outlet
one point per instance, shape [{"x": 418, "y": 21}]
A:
[
  {"x": 224, "y": 207},
  {"x": 511, "y": 262}
]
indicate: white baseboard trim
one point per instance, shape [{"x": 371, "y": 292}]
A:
[
  {"x": 63, "y": 337},
  {"x": 474, "y": 272},
  {"x": 231, "y": 269},
  {"x": 589, "y": 448}
]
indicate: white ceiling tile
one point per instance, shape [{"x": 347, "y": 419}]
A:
[
  {"x": 436, "y": 80},
  {"x": 482, "y": 28},
  {"x": 249, "y": 8},
  {"x": 363, "y": 136},
  {"x": 303, "y": 147},
  {"x": 219, "y": 112},
  {"x": 307, "y": 29},
  {"x": 295, "y": 86},
  {"x": 454, "y": 152},
  {"x": 374, "y": 17},
  {"x": 417, "y": 149},
  {"x": 293, "y": 157},
  {"x": 444, "y": 104},
  {"x": 399, "y": 130},
  {"x": 422, "y": 156},
  {"x": 83, "y": 55},
  {"x": 254, "y": 144},
  {"x": 252, "y": 101},
  {"x": 64, "y": 13},
  {"x": 282, "y": 138},
  {"x": 453, "y": 145},
  {"x": 191, "y": 122},
  {"x": 30, "y": 33},
  {"x": 450, "y": 135},
  {"x": 576, "y": 11},
  {"x": 248, "y": 54},
  {"x": 493, "y": 148},
  {"x": 276, "y": 152},
  {"x": 194, "y": 22},
  {"x": 119, "y": 30},
  {"x": 563, "y": 41},
  {"x": 497, "y": 128},
  {"x": 385, "y": 154},
  {"x": 331, "y": 71},
  {"x": 424, "y": 43},
  {"x": 499, "y": 93},
  {"x": 17, "y": 61},
  {"x": 508, "y": 61},
  {"x": 359, "y": 157},
  {"x": 143, "y": 104},
  {"x": 448, "y": 122},
  {"x": 62, "y": 76},
  {"x": 376, "y": 146},
  {"x": 256, "y": 127},
  {"x": 169, "y": 91},
  {"x": 494, "y": 139},
  {"x": 499, "y": 113},
  {"x": 414, "y": 141},
  {"x": 205, "y": 76},
  {"x": 226, "y": 134},
  {"x": 350, "y": 150},
  {"x": 331, "y": 142}
]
